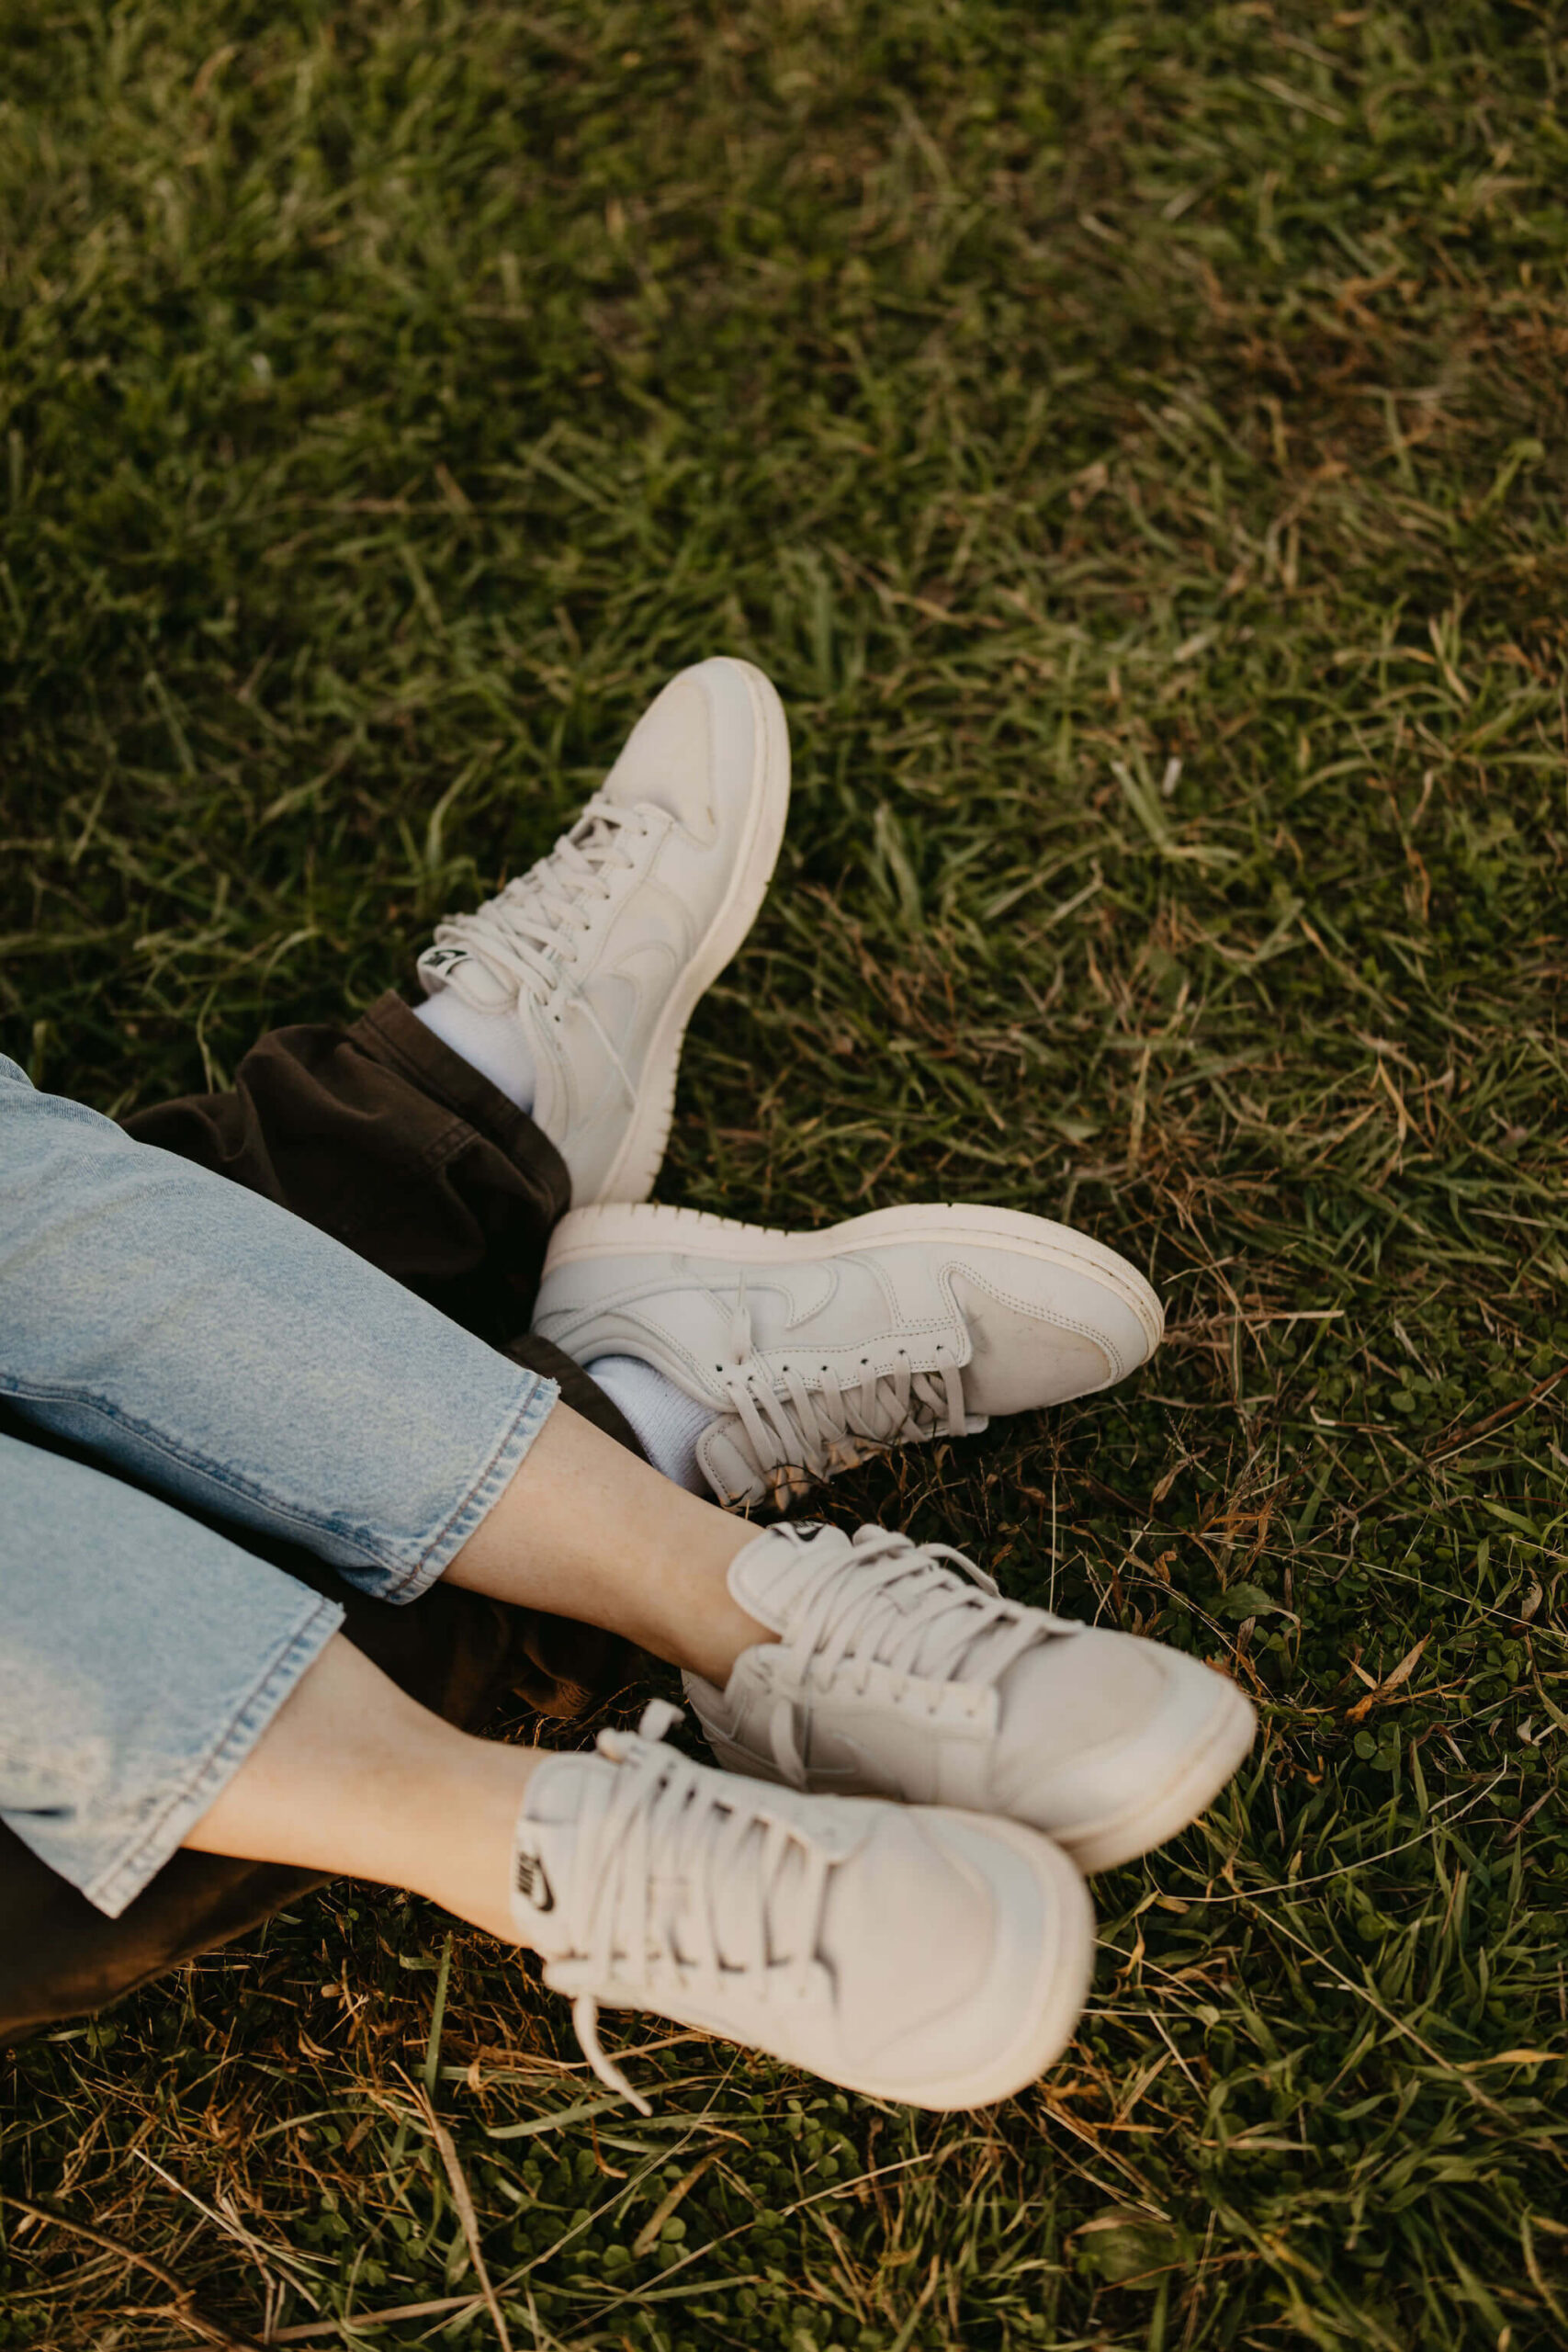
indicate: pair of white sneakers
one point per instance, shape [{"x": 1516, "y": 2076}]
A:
[{"x": 885, "y": 1882}]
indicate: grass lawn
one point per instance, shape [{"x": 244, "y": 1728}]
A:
[{"x": 1134, "y": 437}]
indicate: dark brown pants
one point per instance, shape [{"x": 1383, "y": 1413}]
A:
[{"x": 382, "y": 1137}]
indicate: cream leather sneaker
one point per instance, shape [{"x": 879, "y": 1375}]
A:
[
  {"x": 898, "y": 1675},
  {"x": 813, "y": 1350},
  {"x": 920, "y": 1956},
  {"x": 603, "y": 948}
]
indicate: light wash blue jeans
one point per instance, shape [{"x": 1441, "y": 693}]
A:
[{"x": 235, "y": 1359}]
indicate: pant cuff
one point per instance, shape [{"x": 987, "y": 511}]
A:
[
  {"x": 112, "y": 1888},
  {"x": 523, "y": 1423},
  {"x": 388, "y": 1033}
]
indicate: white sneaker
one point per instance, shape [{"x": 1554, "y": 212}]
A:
[
  {"x": 894, "y": 1676},
  {"x": 813, "y": 1350},
  {"x": 602, "y": 949},
  {"x": 919, "y": 1956}
]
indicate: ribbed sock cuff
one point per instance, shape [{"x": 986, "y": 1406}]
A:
[{"x": 666, "y": 1421}]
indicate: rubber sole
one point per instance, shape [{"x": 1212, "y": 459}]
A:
[
  {"x": 1137, "y": 1829},
  {"x": 635, "y": 1166},
  {"x": 617, "y": 1229}
]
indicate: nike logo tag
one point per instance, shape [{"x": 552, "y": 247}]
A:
[{"x": 533, "y": 1882}]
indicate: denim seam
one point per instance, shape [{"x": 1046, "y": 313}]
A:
[
  {"x": 522, "y": 1426},
  {"x": 112, "y": 1888},
  {"x": 387, "y": 1558}
]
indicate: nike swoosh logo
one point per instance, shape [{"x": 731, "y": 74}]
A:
[
  {"x": 802, "y": 1290},
  {"x": 809, "y": 1290},
  {"x": 534, "y": 1884}
]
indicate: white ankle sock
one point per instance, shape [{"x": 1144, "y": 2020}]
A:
[
  {"x": 666, "y": 1422},
  {"x": 491, "y": 1043}
]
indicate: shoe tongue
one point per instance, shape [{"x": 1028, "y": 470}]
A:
[
  {"x": 455, "y": 969},
  {"x": 564, "y": 1793},
  {"x": 767, "y": 1576},
  {"x": 567, "y": 1797},
  {"x": 464, "y": 969}
]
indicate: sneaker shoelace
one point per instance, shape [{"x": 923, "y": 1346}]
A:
[
  {"x": 899, "y": 1605},
  {"x": 817, "y": 1432},
  {"x": 670, "y": 1835},
  {"x": 528, "y": 931}
]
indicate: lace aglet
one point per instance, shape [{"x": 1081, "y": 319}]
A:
[{"x": 585, "y": 2018}]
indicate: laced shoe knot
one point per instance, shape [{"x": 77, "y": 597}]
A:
[
  {"x": 926, "y": 1613},
  {"x": 525, "y": 939},
  {"x": 681, "y": 1881},
  {"x": 793, "y": 1430}
]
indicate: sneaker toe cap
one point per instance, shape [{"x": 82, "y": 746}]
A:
[
  {"x": 1041, "y": 1334},
  {"x": 963, "y": 1957},
  {"x": 1111, "y": 1744},
  {"x": 693, "y": 752}
]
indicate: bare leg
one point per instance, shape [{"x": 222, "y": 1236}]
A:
[
  {"x": 587, "y": 1530},
  {"x": 353, "y": 1776}
]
